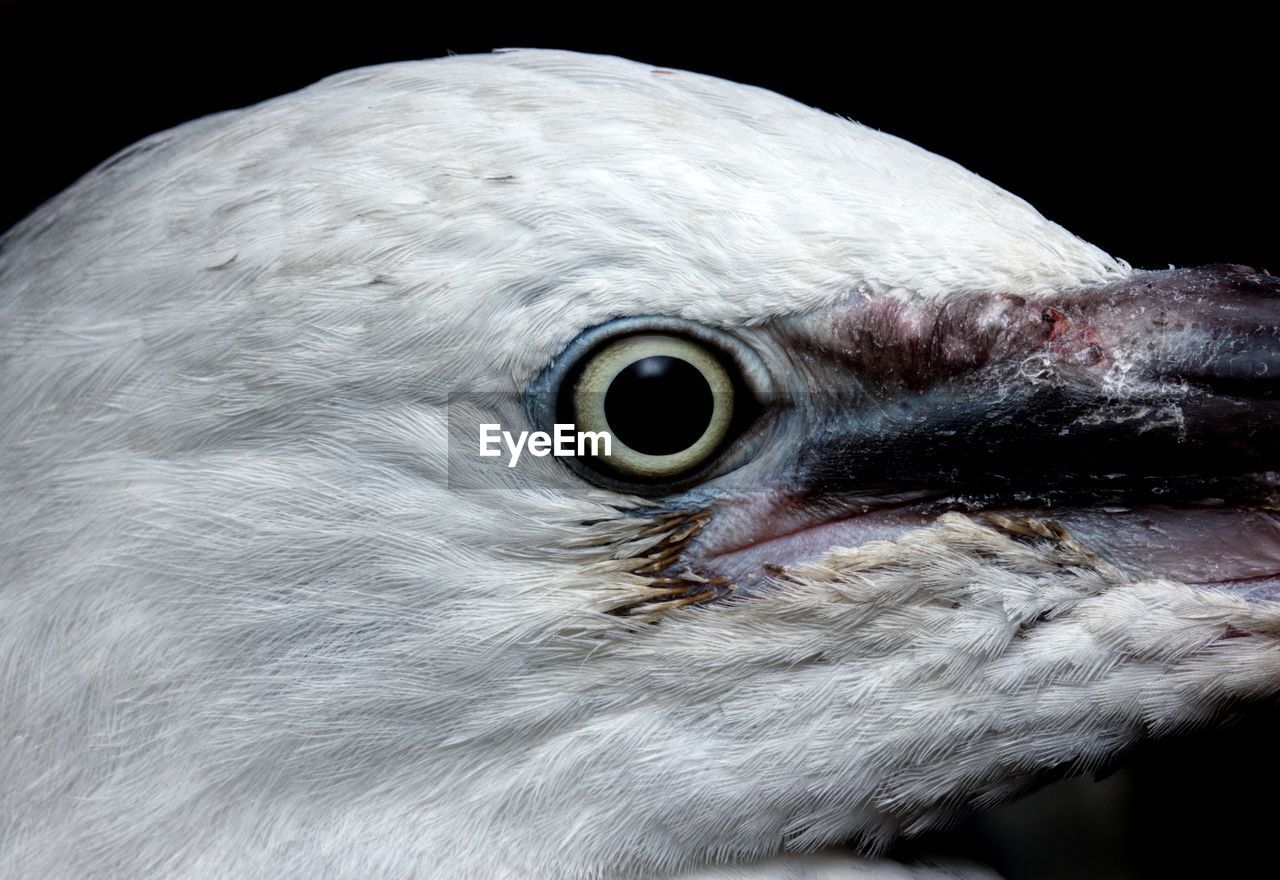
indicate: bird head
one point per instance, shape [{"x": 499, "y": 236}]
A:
[{"x": 914, "y": 497}]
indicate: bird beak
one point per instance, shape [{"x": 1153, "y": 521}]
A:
[
  {"x": 1167, "y": 380},
  {"x": 1149, "y": 400}
]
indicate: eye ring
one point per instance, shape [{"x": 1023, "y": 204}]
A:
[
  {"x": 598, "y": 382},
  {"x": 550, "y": 400}
]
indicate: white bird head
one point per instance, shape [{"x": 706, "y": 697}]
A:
[{"x": 919, "y": 496}]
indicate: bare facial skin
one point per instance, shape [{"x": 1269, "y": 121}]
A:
[{"x": 1138, "y": 415}]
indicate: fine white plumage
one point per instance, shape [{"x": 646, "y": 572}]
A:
[{"x": 263, "y": 614}]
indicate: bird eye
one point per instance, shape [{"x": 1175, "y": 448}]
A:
[
  {"x": 667, "y": 402},
  {"x": 681, "y": 402}
]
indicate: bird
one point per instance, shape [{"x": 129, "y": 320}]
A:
[{"x": 914, "y": 498}]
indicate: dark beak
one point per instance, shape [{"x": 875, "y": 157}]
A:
[{"x": 1162, "y": 388}]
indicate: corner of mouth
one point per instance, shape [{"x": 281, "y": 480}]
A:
[{"x": 1212, "y": 545}]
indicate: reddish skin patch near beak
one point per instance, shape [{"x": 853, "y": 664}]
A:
[{"x": 891, "y": 345}]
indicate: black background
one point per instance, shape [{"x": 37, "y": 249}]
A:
[{"x": 1157, "y": 147}]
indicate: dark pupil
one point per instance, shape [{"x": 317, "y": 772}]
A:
[{"x": 659, "y": 405}]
